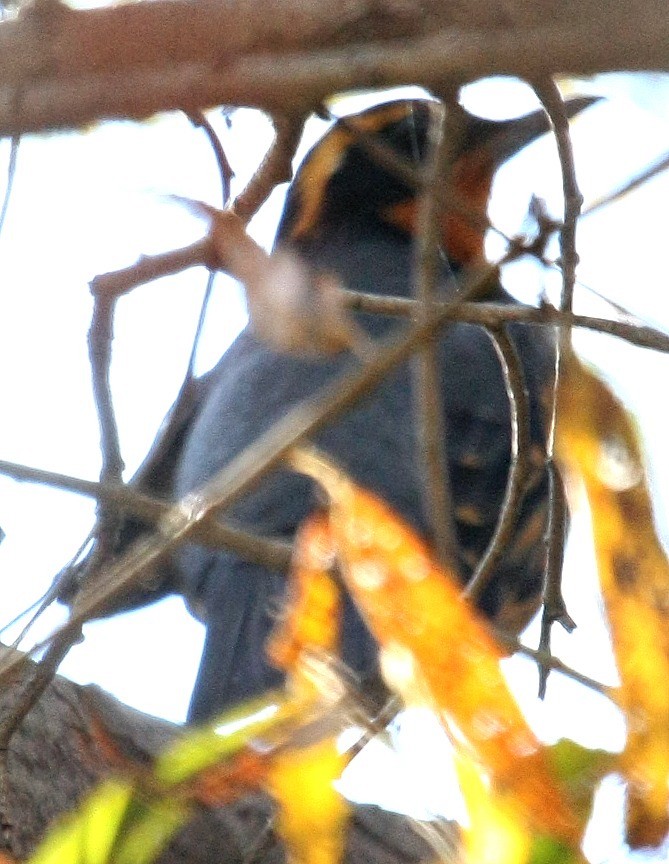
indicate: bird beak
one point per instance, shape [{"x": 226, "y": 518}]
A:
[{"x": 503, "y": 139}]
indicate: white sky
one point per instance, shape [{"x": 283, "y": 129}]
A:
[{"x": 90, "y": 202}]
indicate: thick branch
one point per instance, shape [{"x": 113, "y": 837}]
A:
[
  {"x": 50, "y": 40},
  {"x": 60, "y": 68},
  {"x": 76, "y": 736}
]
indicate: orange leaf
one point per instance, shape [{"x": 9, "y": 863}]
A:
[
  {"x": 312, "y": 617},
  {"x": 596, "y": 441},
  {"x": 432, "y": 639},
  {"x": 498, "y": 830}
]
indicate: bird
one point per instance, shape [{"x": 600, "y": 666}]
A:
[{"x": 350, "y": 214}]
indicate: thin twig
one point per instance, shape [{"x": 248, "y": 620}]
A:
[
  {"x": 100, "y": 337},
  {"x": 633, "y": 183},
  {"x": 276, "y": 167},
  {"x": 199, "y": 328},
  {"x": 551, "y": 99},
  {"x": 492, "y": 314},
  {"x": 11, "y": 174},
  {"x": 444, "y": 137},
  {"x": 150, "y": 267},
  {"x": 548, "y": 660},
  {"x": 36, "y": 608},
  {"x": 519, "y": 415},
  {"x": 267, "y": 552},
  {"x": 555, "y": 608},
  {"x": 199, "y": 120}
]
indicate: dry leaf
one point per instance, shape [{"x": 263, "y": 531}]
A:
[
  {"x": 597, "y": 442},
  {"x": 432, "y": 641},
  {"x": 313, "y": 605}
]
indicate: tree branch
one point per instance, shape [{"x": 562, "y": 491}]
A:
[
  {"x": 61, "y": 68},
  {"x": 519, "y": 411},
  {"x": 275, "y": 168},
  {"x": 494, "y": 314},
  {"x": 267, "y": 552},
  {"x": 75, "y": 737},
  {"x": 445, "y": 135}
]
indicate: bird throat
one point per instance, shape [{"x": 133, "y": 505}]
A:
[{"x": 462, "y": 226}]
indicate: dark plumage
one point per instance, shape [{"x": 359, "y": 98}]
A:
[{"x": 341, "y": 216}]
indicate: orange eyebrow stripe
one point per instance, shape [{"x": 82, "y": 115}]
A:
[{"x": 325, "y": 159}]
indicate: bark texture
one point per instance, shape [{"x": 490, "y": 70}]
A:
[
  {"x": 76, "y": 736},
  {"x": 65, "y": 68}
]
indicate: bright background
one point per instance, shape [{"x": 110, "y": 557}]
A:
[{"x": 86, "y": 203}]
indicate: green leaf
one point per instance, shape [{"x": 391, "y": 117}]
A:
[
  {"x": 204, "y": 747},
  {"x": 147, "y": 829},
  {"x": 580, "y": 770},
  {"x": 548, "y": 850},
  {"x": 88, "y": 835}
]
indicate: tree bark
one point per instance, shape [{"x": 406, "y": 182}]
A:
[
  {"x": 65, "y": 68},
  {"x": 76, "y": 736}
]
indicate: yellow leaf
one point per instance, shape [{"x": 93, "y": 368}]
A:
[
  {"x": 495, "y": 834},
  {"x": 312, "y": 814},
  {"x": 596, "y": 440}
]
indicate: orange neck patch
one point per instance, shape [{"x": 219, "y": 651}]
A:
[{"x": 463, "y": 232}]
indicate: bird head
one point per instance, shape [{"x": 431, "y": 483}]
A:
[{"x": 365, "y": 173}]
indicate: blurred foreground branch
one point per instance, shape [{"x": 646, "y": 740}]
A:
[{"x": 65, "y": 68}]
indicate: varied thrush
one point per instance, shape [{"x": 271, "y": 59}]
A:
[{"x": 350, "y": 214}]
